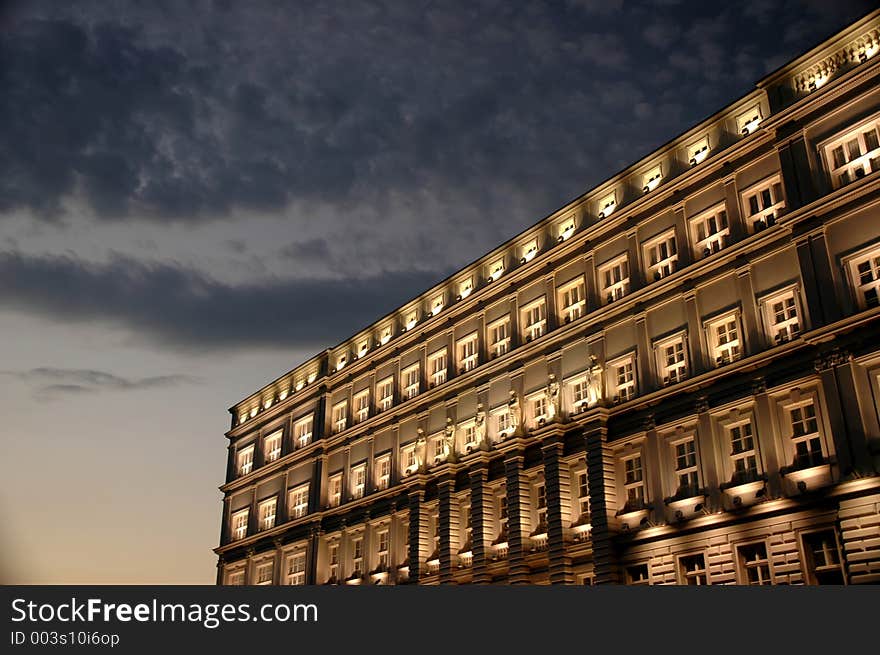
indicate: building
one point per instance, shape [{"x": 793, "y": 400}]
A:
[{"x": 674, "y": 378}]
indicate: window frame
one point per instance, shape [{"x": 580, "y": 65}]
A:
[
  {"x": 385, "y": 402},
  {"x": 468, "y": 350},
  {"x": 298, "y": 501},
  {"x": 714, "y": 346},
  {"x": 768, "y": 315},
  {"x": 870, "y": 255},
  {"x": 663, "y": 266},
  {"x": 410, "y": 381},
  {"x": 764, "y": 215},
  {"x": 744, "y": 566},
  {"x": 438, "y": 374},
  {"x": 340, "y": 418},
  {"x": 614, "y": 289},
  {"x": 534, "y": 326},
  {"x": 679, "y": 370},
  {"x": 574, "y": 306},
  {"x": 383, "y": 480},
  {"x": 239, "y": 532},
  {"x": 613, "y": 383},
  {"x": 711, "y": 241},
  {"x": 863, "y": 161},
  {"x": 267, "y": 513},
  {"x": 241, "y": 455},
  {"x": 302, "y": 437},
  {"x": 335, "y": 497},
  {"x": 274, "y": 454},
  {"x": 361, "y": 409},
  {"x": 358, "y": 481},
  {"x": 499, "y": 346}
]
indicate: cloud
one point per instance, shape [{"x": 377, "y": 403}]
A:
[{"x": 54, "y": 382}]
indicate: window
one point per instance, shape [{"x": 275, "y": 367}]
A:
[
  {"x": 382, "y": 543},
  {"x": 246, "y": 460},
  {"x": 386, "y": 335},
  {"x": 272, "y": 446},
  {"x": 240, "y": 524},
  {"x": 633, "y": 484},
  {"x": 710, "y": 231},
  {"x": 565, "y": 229},
  {"x": 607, "y": 205},
  {"x": 438, "y": 449},
  {"x": 539, "y": 408},
  {"x": 357, "y": 557},
  {"x": 672, "y": 359},
  {"x": 302, "y": 431},
  {"x": 781, "y": 316},
  {"x": 470, "y": 436},
  {"x": 467, "y": 353},
  {"x": 503, "y": 422},
  {"x": 264, "y": 573},
  {"x": 534, "y": 319},
  {"x": 385, "y": 391},
  {"x": 541, "y": 505},
  {"x": 333, "y": 559},
  {"x": 805, "y": 437},
  {"x": 299, "y": 501},
  {"x": 822, "y": 558},
  {"x": 687, "y": 477},
  {"x": 661, "y": 256},
  {"x": 580, "y": 394},
  {"x": 622, "y": 378},
  {"x": 437, "y": 367},
  {"x": 754, "y": 565},
  {"x": 334, "y": 490},
  {"x": 748, "y": 121},
  {"x": 652, "y": 179},
  {"x": 465, "y": 287},
  {"x": 499, "y": 337},
  {"x": 496, "y": 270},
  {"x": 363, "y": 347},
  {"x": 743, "y": 456},
  {"x": 529, "y": 250},
  {"x": 583, "y": 494},
  {"x": 410, "y": 320},
  {"x": 723, "y": 335},
  {"x": 235, "y": 579},
  {"x": 572, "y": 300},
  {"x": 637, "y": 574},
  {"x": 383, "y": 472},
  {"x": 340, "y": 362},
  {"x": 864, "y": 275},
  {"x": 763, "y": 204},
  {"x": 614, "y": 278},
  {"x": 692, "y": 569},
  {"x": 410, "y": 381},
  {"x": 362, "y": 406},
  {"x": 358, "y": 480},
  {"x": 340, "y": 416},
  {"x": 267, "y": 513},
  {"x": 408, "y": 459},
  {"x": 296, "y": 569},
  {"x": 854, "y": 155},
  {"x": 437, "y": 305},
  {"x": 698, "y": 151}
]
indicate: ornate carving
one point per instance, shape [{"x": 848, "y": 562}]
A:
[
  {"x": 552, "y": 394},
  {"x": 759, "y": 385},
  {"x": 701, "y": 404},
  {"x": 830, "y": 359},
  {"x": 855, "y": 52}
]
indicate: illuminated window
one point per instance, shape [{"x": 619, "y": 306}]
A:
[
  {"x": 541, "y": 505},
  {"x": 246, "y": 460},
  {"x": 607, "y": 205},
  {"x": 583, "y": 495},
  {"x": 754, "y": 565},
  {"x": 302, "y": 431},
  {"x": 763, "y": 203},
  {"x": 672, "y": 359},
  {"x": 539, "y": 408},
  {"x": 235, "y": 579},
  {"x": 637, "y": 574},
  {"x": 272, "y": 446},
  {"x": 822, "y": 558},
  {"x": 698, "y": 151},
  {"x": 710, "y": 231},
  {"x": 383, "y": 472},
  {"x": 622, "y": 379},
  {"x": 264, "y": 573},
  {"x": 802, "y": 425},
  {"x": 358, "y": 480},
  {"x": 748, "y": 121},
  {"x": 723, "y": 336},
  {"x": 296, "y": 569},
  {"x": 864, "y": 276},
  {"x": 633, "y": 484},
  {"x": 781, "y": 316},
  {"x": 333, "y": 559},
  {"x": 410, "y": 320},
  {"x": 385, "y": 392},
  {"x": 499, "y": 337},
  {"x": 572, "y": 300},
  {"x": 496, "y": 270},
  {"x": 468, "y": 354},
  {"x": 340, "y": 416},
  {"x": 437, "y": 363},
  {"x": 299, "y": 501},
  {"x": 743, "y": 454},
  {"x": 652, "y": 179},
  {"x": 362, "y": 406},
  {"x": 334, "y": 490},
  {"x": 437, "y": 305},
  {"x": 566, "y": 229},
  {"x": 580, "y": 394},
  {"x": 410, "y": 382},
  {"x": 529, "y": 250},
  {"x": 503, "y": 422},
  {"x": 267, "y": 513},
  {"x": 614, "y": 278},
  {"x": 382, "y": 544},
  {"x": 357, "y": 557},
  {"x": 465, "y": 287},
  {"x": 687, "y": 476},
  {"x": 661, "y": 256},
  {"x": 408, "y": 459},
  {"x": 240, "y": 524},
  {"x": 469, "y": 430},
  {"x": 854, "y": 155},
  {"x": 534, "y": 319},
  {"x": 692, "y": 569}
]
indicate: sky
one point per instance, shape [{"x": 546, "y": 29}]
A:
[{"x": 197, "y": 196}]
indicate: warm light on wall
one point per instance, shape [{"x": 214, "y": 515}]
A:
[
  {"x": 282, "y": 395},
  {"x": 497, "y": 271},
  {"x": 530, "y": 250},
  {"x": 567, "y": 231},
  {"x": 312, "y": 377},
  {"x": 652, "y": 179},
  {"x": 698, "y": 151},
  {"x": 253, "y": 412},
  {"x": 817, "y": 81},
  {"x": 608, "y": 205}
]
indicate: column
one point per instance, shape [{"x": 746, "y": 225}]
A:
[
  {"x": 278, "y": 564},
  {"x": 419, "y": 538},
  {"x": 603, "y": 498},
  {"x": 557, "y": 488},
  {"x": 448, "y": 517},
  {"x": 696, "y": 338},
  {"x": 518, "y": 513},
  {"x": 590, "y": 288},
  {"x": 646, "y": 368},
  {"x": 831, "y": 296},
  {"x": 225, "y": 527},
  {"x": 249, "y": 573},
  {"x": 797, "y": 178},
  {"x": 636, "y": 273},
  {"x": 858, "y": 409},
  {"x": 746, "y": 291},
  {"x": 706, "y": 445},
  {"x": 281, "y": 511},
  {"x": 825, "y": 366},
  {"x": 770, "y": 452},
  {"x": 482, "y": 349},
  {"x": 316, "y": 488},
  {"x": 482, "y": 521},
  {"x": 515, "y": 336},
  {"x": 682, "y": 242},
  {"x": 735, "y": 221},
  {"x": 550, "y": 292},
  {"x": 451, "y": 356},
  {"x": 312, "y": 549}
]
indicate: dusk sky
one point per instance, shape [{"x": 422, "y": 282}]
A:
[{"x": 197, "y": 196}]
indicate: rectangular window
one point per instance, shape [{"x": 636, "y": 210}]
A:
[
  {"x": 541, "y": 505},
  {"x": 267, "y": 513},
  {"x": 692, "y": 569},
  {"x": 633, "y": 484},
  {"x": 652, "y": 179},
  {"x": 334, "y": 490},
  {"x": 572, "y": 300},
  {"x": 710, "y": 231},
  {"x": 743, "y": 456},
  {"x": 763, "y": 203},
  {"x": 272, "y": 446},
  {"x": 296, "y": 569},
  {"x": 499, "y": 337},
  {"x": 235, "y": 579},
  {"x": 333, "y": 559},
  {"x": 622, "y": 379},
  {"x": 385, "y": 392},
  {"x": 822, "y": 558},
  {"x": 240, "y": 524},
  {"x": 583, "y": 496},
  {"x": 246, "y": 460},
  {"x": 748, "y": 121},
  {"x": 264, "y": 573},
  {"x": 661, "y": 256},
  {"x": 358, "y": 480},
  {"x": 781, "y": 316},
  {"x": 410, "y": 382},
  {"x": 340, "y": 416},
  {"x": 362, "y": 406},
  {"x": 496, "y": 270},
  {"x": 468, "y": 355},
  {"x": 539, "y": 409},
  {"x": 299, "y": 501},
  {"x": 672, "y": 359},
  {"x": 580, "y": 394},
  {"x": 614, "y": 278},
  {"x": 754, "y": 564},
  {"x": 529, "y": 250},
  {"x": 805, "y": 436},
  {"x": 357, "y": 557},
  {"x": 687, "y": 476},
  {"x": 302, "y": 432},
  {"x": 723, "y": 336},
  {"x": 438, "y": 449},
  {"x": 383, "y": 472},
  {"x": 864, "y": 276},
  {"x": 503, "y": 422},
  {"x": 408, "y": 459},
  {"x": 637, "y": 574},
  {"x": 534, "y": 319},
  {"x": 382, "y": 543},
  {"x": 854, "y": 155},
  {"x": 470, "y": 436},
  {"x": 437, "y": 366},
  {"x": 465, "y": 287}
]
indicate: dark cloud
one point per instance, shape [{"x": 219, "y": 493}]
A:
[
  {"x": 183, "y": 308},
  {"x": 70, "y": 381}
]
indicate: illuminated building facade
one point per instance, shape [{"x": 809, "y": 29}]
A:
[{"x": 674, "y": 378}]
